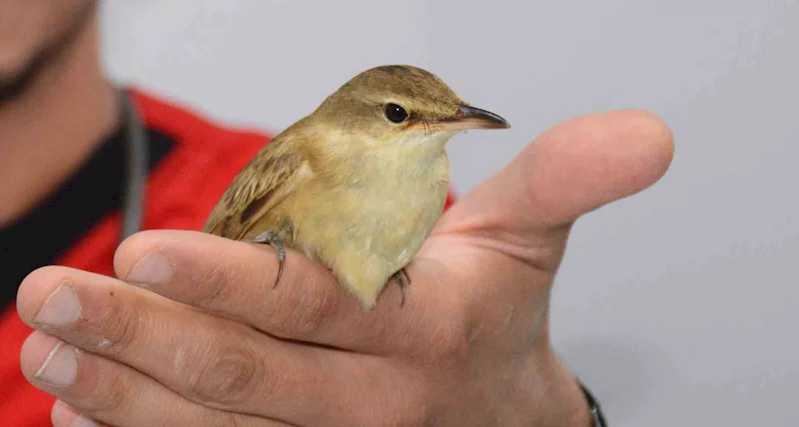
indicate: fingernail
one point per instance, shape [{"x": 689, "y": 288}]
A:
[
  {"x": 61, "y": 308},
  {"x": 62, "y": 413},
  {"x": 154, "y": 269},
  {"x": 60, "y": 367},
  {"x": 82, "y": 421}
]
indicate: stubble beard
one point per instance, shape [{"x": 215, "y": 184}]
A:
[{"x": 14, "y": 86}]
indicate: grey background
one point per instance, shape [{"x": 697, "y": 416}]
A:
[{"x": 677, "y": 306}]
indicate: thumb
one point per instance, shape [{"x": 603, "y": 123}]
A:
[{"x": 572, "y": 169}]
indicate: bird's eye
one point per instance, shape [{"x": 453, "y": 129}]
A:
[{"x": 395, "y": 113}]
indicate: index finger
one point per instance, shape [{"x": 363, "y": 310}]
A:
[{"x": 236, "y": 280}]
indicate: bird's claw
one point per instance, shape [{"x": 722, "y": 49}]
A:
[
  {"x": 403, "y": 280},
  {"x": 269, "y": 237}
]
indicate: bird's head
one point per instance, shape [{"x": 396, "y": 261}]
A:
[{"x": 400, "y": 104}]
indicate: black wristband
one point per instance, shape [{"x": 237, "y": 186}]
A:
[{"x": 597, "y": 417}]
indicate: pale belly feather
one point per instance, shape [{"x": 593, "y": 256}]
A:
[{"x": 368, "y": 232}]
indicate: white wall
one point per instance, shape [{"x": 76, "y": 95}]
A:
[{"x": 677, "y": 306}]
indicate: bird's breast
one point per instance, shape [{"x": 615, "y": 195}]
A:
[{"x": 386, "y": 211}]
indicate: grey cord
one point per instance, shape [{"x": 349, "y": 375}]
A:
[{"x": 136, "y": 168}]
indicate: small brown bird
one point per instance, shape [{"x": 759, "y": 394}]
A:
[{"x": 358, "y": 184}]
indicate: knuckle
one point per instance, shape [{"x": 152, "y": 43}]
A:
[
  {"x": 406, "y": 410},
  {"x": 118, "y": 325},
  {"x": 317, "y": 310},
  {"x": 100, "y": 388},
  {"x": 225, "y": 375},
  {"x": 110, "y": 397},
  {"x": 304, "y": 314},
  {"x": 417, "y": 414},
  {"x": 225, "y": 419},
  {"x": 228, "y": 419},
  {"x": 421, "y": 416},
  {"x": 218, "y": 286}
]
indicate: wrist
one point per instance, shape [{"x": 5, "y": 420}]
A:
[
  {"x": 597, "y": 416},
  {"x": 559, "y": 398}
]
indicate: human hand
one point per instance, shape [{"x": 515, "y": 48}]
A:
[{"x": 204, "y": 339}]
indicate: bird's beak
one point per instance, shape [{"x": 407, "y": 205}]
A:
[{"x": 469, "y": 117}]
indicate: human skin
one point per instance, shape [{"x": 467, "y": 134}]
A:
[
  {"x": 469, "y": 347},
  {"x": 192, "y": 332},
  {"x": 49, "y": 64}
]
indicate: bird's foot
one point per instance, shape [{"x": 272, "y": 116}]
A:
[
  {"x": 403, "y": 280},
  {"x": 270, "y": 237}
]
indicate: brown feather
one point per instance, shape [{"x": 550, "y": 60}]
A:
[
  {"x": 362, "y": 192},
  {"x": 266, "y": 180}
]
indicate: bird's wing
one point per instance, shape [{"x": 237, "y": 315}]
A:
[{"x": 271, "y": 175}]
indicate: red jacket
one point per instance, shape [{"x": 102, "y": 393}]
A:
[{"x": 181, "y": 191}]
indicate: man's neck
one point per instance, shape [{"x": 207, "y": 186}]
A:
[{"x": 48, "y": 131}]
